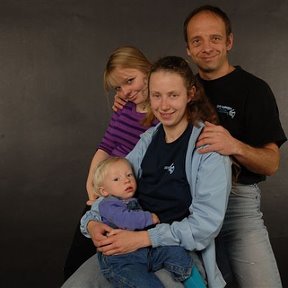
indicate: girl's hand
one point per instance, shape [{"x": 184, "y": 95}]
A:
[
  {"x": 119, "y": 103},
  {"x": 91, "y": 194}
]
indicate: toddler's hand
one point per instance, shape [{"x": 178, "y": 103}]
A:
[{"x": 155, "y": 218}]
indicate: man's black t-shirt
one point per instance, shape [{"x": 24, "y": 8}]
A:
[{"x": 247, "y": 109}]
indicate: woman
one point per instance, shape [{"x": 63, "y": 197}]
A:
[
  {"x": 187, "y": 190},
  {"x": 126, "y": 72}
]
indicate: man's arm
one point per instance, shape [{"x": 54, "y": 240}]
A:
[
  {"x": 264, "y": 160},
  {"x": 261, "y": 160}
]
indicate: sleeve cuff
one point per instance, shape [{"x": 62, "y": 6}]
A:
[{"x": 89, "y": 216}]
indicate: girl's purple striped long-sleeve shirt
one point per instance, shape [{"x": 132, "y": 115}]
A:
[{"x": 123, "y": 131}]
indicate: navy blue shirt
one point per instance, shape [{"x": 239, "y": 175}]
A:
[{"x": 163, "y": 187}]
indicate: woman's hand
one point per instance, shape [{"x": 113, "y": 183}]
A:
[
  {"x": 123, "y": 241},
  {"x": 98, "y": 232}
]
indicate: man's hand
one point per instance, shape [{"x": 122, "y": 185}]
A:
[
  {"x": 215, "y": 138},
  {"x": 119, "y": 102}
]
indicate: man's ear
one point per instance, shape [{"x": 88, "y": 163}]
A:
[
  {"x": 229, "y": 43},
  {"x": 188, "y": 51}
]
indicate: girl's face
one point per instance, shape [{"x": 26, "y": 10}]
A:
[
  {"x": 169, "y": 98},
  {"x": 130, "y": 84}
]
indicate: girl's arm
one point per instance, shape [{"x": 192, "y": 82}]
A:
[
  {"x": 119, "y": 102},
  {"x": 99, "y": 156},
  {"x": 104, "y": 150}
]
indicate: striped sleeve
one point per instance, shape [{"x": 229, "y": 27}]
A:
[{"x": 123, "y": 132}]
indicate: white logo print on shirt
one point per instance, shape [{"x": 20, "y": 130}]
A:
[
  {"x": 226, "y": 110},
  {"x": 170, "y": 168}
]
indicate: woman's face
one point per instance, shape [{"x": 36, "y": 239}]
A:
[
  {"x": 130, "y": 84},
  {"x": 169, "y": 98}
]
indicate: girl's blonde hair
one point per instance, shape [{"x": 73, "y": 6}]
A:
[
  {"x": 125, "y": 57},
  {"x": 101, "y": 171}
]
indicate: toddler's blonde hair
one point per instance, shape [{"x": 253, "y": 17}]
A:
[{"x": 101, "y": 171}]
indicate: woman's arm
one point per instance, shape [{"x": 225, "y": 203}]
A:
[
  {"x": 210, "y": 187},
  {"x": 210, "y": 183},
  {"x": 111, "y": 241},
  {"x": 123, "y": 241},
  {"x": 90, "y": 216}
]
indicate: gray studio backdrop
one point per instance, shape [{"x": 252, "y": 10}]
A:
[{"x": 53, "y": 111}]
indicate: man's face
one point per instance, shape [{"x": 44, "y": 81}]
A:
[{"x": 208, "y": 45}]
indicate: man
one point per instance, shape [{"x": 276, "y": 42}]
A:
[{"x": 251, "y": 133}]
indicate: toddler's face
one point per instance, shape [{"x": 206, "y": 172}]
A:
[{"x": 119, "y": 181}]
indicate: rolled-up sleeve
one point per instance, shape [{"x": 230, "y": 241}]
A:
[{"x": 91, "y": 215}]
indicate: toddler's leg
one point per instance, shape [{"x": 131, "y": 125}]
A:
[
  {"x": 178, "y": 261},
  {"x": 195, "y": 280},
  {"x": 129, "y": 270}
]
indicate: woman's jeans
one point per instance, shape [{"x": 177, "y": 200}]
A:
[
  {"x": 246, "y": 240},
  {"x": 137, "y": 269},
  {"x": 90, "y": 276}
]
